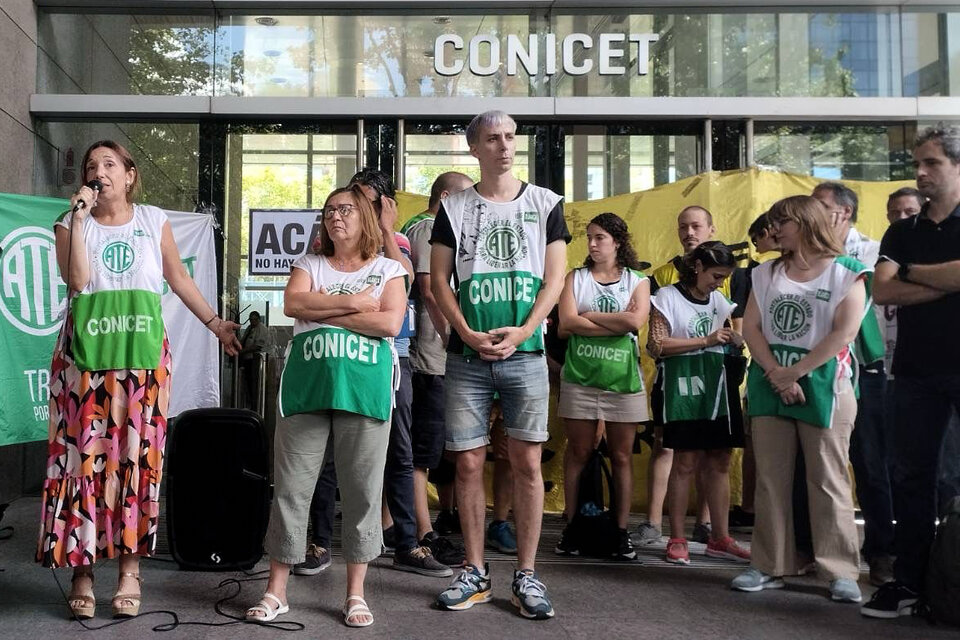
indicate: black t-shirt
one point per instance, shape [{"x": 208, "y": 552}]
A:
[
  {"x": 556, "y": 229},
  {"x": 925, "y": 345}
]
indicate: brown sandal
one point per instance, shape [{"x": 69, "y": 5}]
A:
[
  {"x": 82, "y": 606},
  {"x": 127, "y": 605}
]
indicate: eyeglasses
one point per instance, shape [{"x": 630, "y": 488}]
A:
[{"x": 343, "y": 209}]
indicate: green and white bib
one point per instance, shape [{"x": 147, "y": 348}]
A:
[
  {"x": 501, "y": 252},
  {"x": 117, "y": 318},
  {"x": 694, "y": 383},
  {"x": 330, "y": 367},
  {"x": 604, "y": 362},
  {"x": 796, "y": 316}
]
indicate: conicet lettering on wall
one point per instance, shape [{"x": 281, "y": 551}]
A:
[
  {"x": 502, "y": 289},
  {"x": 119, "y": 324},
  {"x": 610, "y": 47},
  {"x": 341, "y": 345}
]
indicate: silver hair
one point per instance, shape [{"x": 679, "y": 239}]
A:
[
  {"x": 947, "y": 136},
  {"x": 485, "y": 120},
  {"x": 842, "y": 195}
]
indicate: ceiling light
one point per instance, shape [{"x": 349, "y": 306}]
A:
[
  {"x": 278, "y": 80},
  {"x": 266, "y": 21},
  {"x": 273, "y": 53}
]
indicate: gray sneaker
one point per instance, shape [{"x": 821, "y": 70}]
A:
[
  {"x": 754, "y": 580},
  {"x": 530, "y": 596},
  {"x": 648, "y": 533},
  {"x": 318, "y": 559},
  {"x": 845, "y": 590},
  {"x": 420, "y": 560},
  {"x": 701, "y": 532}
]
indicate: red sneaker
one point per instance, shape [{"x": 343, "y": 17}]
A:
[
  {"x": 728, "y": 548},
  {"x": 677, "y": 551}
]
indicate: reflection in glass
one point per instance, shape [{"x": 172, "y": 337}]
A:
[{"x": 429, "y": 155}]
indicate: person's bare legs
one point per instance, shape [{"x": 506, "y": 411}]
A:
[
  {"x": 684, "y": 467},
  {"x": 356, "y": 573},
  {"x": 658, "y": 479},
  {"x": 620, "y": 438},
  {"x": 715, "y": 467},
  {"x": 527, "y": 498},
  {"x": 703, "y": 509},
  {"x": 472, "y": 502},
  {"x": 580, "y": 444},
  {"x": 420, "y": 506},
  {"x": 502, "y": 474},
  {"x": 81, "y": 585},
  {"x": 386, "y": 520},
  {"x": 129, "y": 563}
]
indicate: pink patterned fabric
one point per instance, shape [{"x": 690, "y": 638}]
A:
[{"x": 105, "y": 457}]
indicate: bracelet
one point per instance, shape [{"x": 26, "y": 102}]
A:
[{"x": 207, "y": 323}]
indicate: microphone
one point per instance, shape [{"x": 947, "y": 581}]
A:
[{"x": 94, "y": 184}]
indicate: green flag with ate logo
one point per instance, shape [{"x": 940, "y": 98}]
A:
[{"x": 31, "y": 299}]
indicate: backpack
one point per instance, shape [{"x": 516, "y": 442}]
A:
[
  {"x": 594, "y": 529},
  {"x": 942, "y": 593}
]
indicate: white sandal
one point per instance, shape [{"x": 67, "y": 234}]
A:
[
  {"x": 264, "y": 607},
  {"x": 356, "y": 610}
]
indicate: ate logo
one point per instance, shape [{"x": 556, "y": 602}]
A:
[
  {"x": 502, "y": 244},
  {"x": 606, "y": 304},
  {"x": 700, "y": 325},
  {"x": 118, "y": 256},
  {"x": 31, "y": 293},
  {"x": 791, "y": 316}
]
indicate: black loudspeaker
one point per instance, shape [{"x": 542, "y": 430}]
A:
[{"x": 218, "y": 491}]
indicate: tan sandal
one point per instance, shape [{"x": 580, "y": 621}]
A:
[
  {"x": 127, "y": 605},
  {"x": 82, "y": 606},
  {"x": 351, "y": 613}
]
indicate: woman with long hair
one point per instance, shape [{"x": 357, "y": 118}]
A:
[
  {"x": 803, "y": 314},
  {"x": 690, "y": 335},
  {"x": 110, "y": 380},
  {"x": 603, "y": 305},
  {"x": 337, "y": 386}
]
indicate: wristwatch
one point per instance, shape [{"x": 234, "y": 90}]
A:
[{"x": 903, "y": 273}]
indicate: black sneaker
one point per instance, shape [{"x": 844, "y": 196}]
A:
[
  {"x": 318, "y": 559},
  {"x": 389, "y": 538},
  {"x": 565, "y": 545},
  {"x": 740, "y": 519},
  {"x": 625, "y": 550},
  {"x": 445, "y": 550},
  {"x": 447, "y": 522},
  {"x": 420, "y": 560},
  {"x": 892, "y": 600}
]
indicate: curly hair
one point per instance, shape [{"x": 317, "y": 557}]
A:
[
  {"x": 710, "y": 254},
  {"x": 617, "y": 228}
]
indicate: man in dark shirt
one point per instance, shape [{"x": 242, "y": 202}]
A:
[{"x": 919, "y": 270}]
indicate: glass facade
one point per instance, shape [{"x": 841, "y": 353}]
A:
[{"x": 871, "y": 52}]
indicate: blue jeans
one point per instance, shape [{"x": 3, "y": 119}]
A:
[
  {"x": 923, "y": 414},
  {"x": 870, "y": 457},
  {"x": 521, "y": 381}
]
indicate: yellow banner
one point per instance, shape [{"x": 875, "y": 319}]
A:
[{"x": 735, "y": 198}]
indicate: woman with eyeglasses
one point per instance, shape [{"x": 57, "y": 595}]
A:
[
  {"x": 337, "y": 385},
  {"x": 690, "y": 335},
  {"x": 803, "y": 314}
]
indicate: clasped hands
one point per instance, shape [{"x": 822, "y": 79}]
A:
[
  {"x": 785, "y": 381},
  {"x": 496, "y": 344}
]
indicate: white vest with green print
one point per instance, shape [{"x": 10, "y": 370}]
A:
[
  {"x": 329, "y": 367},
  {"x": 604, "y": 362},
  {"x": 500, "y": 259},
  {"x": 796, "y": 316},
  {"x": 117, "y": 318},
  {"x": 694, "y": 383}
]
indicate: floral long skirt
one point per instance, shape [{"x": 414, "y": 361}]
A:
[{"x": 105, "y": 457}]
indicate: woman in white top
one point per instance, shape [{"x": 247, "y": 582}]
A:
[
  {"x": 602, "y": 307},
  {"x": 804, "y": 311},
  {"x": 337, "y": 386},
  {"x": 110, "y": 380}
]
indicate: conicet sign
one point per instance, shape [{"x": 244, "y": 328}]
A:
[{"x": 485, "y": 54}]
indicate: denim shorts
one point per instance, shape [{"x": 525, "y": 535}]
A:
[{"x": 520, "y": 380}]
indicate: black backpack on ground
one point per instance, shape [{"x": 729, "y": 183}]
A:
[
  {"x": 593, "y": 529},
  {"x": 942, "y": 593}
]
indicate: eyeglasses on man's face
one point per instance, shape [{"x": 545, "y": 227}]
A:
[{"x": 343, "y": 209}]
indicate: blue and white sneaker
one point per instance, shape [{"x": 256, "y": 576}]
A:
[
  {"x": 530, "y": 596},
  {"x": 469, "y": 588},
  {"x": 500, "y": 537}
]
